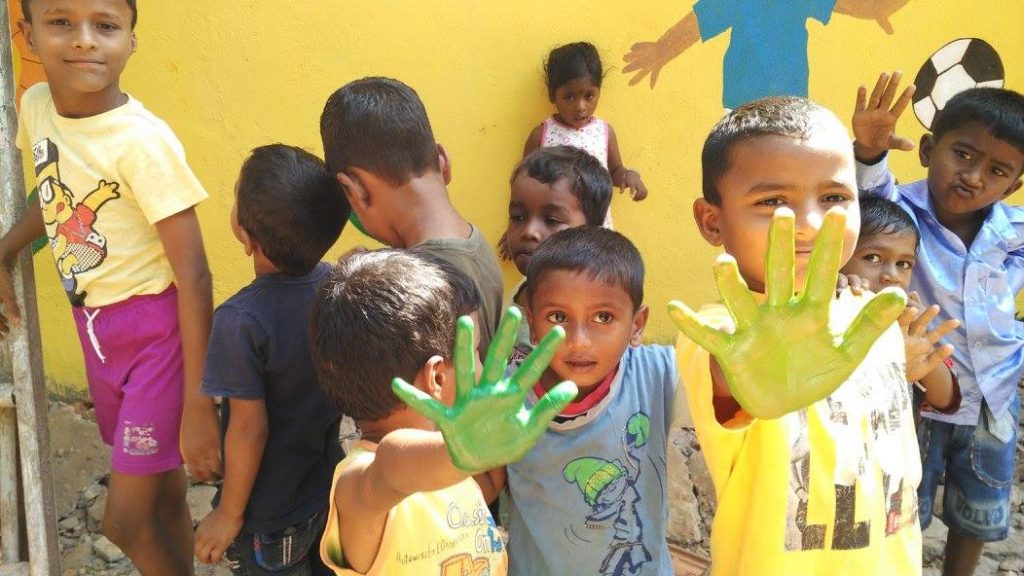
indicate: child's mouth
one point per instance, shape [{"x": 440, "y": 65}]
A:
[{"x": 580, "y": 366}]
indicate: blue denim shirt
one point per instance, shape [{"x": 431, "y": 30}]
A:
[{"x": 975, "y": 285}]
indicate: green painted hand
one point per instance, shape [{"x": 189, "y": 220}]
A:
[
  {"x": 489, "y": 426},
  {"x": 783, "y": 355}
]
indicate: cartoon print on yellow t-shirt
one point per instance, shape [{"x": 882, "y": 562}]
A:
[{"x": 77, "y": 246}]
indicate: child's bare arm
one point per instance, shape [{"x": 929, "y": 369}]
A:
[
  {"x": 875, "y": 118},
  {"x": 244, "y": 442},
  {"x": 491, "y": 483},
  {"x": 533, "y": 140},
  {"x": 406, "y": 461},
  {"x": 183, "y": 244},
  {"x": 623, "y": 177},
  {"x": 649, "y": 57},
  {"x": 25, "y": 230},
  {"x": 940, "y": 389}
]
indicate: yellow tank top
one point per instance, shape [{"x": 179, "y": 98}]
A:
[{"x": 447, "y": 532}]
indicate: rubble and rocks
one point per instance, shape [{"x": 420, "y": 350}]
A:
[{"x": 80, "y": 475}]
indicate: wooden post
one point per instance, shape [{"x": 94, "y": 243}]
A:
[{"x": 25, "y": 345}]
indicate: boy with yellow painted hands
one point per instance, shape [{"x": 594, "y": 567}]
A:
[{"x": 799, "y": 398}]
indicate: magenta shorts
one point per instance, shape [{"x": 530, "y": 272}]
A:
[{"x": 134, "y": 364}]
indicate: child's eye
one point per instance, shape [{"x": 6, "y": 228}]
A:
[
  {"x": 905, "y": 265},
  {"x": 59, "y": 22},
  {"x": 962, "y": 154},
  {"x": 770, "y": 202},
  {"x": 836, "y": 198},
  {"x": 603, "y": 317},
  {"x": 516, "y": 218},
  {"x": 107, "y": 26},
  {"x": 873, "y": 258},
  {"x": 558, "y": 317},
  {"x": 999, "y": 172},
  {"x": 552, "y": 221}
]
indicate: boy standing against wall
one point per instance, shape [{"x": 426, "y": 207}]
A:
[
  {"x": 117, "y": 202},
  {"x": 378, "y": 141},
  {"x": 280, "y": 431},
  {"x": 970, "y": 263}
]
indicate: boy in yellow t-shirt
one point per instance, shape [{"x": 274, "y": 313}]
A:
[{"x": 800, "y": 401}]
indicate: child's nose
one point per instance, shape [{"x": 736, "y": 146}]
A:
[
  {"x": 576, "y": 337},
  {"x": 84, "y": 38},
  {"x": 808, "y": 222}
]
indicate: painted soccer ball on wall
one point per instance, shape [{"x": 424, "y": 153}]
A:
[{"x": 961, "y": 64}]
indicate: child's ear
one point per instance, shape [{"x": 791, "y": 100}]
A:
[
  {"x": 445, "y": 164},
  {"x": 355, "y": 192},
  {"x": 432, "y": 377},
  {"x": 708, "y": 218},
  {"x": 26, "y": 30},
  {"x": 925, "y": 149},
  {"x": 135, "y": 43},
  {"x": 248, "y": 243},
  {"x": 639, "y": 323}
]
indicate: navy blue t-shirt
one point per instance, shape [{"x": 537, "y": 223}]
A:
[{"x": 259, "y": 349}]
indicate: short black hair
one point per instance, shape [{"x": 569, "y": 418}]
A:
[
  {"x": 776, "y": 116},
  {"x": 379, "y": 125},
  {"x": 882, "y": 216},
  {"x": 602, "y": 254},
  {"x": 290, "y": 205},
  {"x": 999, "y": 110},
  {"x": 588, "y": 179},
  {"x": 131, "y": 4},
  {"x": 379, "y": 315},
  {"x": 571, "y": 61}
]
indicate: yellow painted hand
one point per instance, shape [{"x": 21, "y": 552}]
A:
[
  {"x": 489, "y": 426},
  {"x": 783, "y": 354}
]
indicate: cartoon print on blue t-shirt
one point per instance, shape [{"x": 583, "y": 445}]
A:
[
  {"x": 77, "y": 246},
  {"x": 609, "y": 488}
]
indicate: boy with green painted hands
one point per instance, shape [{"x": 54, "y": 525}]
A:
[
  {"x": 799, "y": 397},
  {"x": 403, "y": 502}
]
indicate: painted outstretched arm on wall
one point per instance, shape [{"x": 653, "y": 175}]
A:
[
  {"x": 875, "y": 117},
  {"x": 783, "y": 355},
  {"x": 877, "y": 10},
  {"x": 647, "y": 58}
]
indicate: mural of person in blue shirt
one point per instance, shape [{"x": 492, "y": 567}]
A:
[{"x": 767, "y": 53}]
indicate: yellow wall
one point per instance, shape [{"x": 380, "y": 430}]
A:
[{"x": 234, "y": 74}]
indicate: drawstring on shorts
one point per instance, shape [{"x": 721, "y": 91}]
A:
[{"x": 92, "y": 334}]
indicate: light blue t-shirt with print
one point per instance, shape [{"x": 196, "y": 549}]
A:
[
  {"x": 590, "y": 498},
  {"x": 767, "y": 53}
]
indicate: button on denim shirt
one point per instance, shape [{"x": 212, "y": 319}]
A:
[{"x": 975, "y": 285}]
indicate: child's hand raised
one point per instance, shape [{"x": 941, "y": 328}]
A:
[
  {"x": 489, "y": 426},
  {"x": 923, "y": 351},
  {"x": 874, "y": 121},
  {"x": 783, "y": 355}
]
